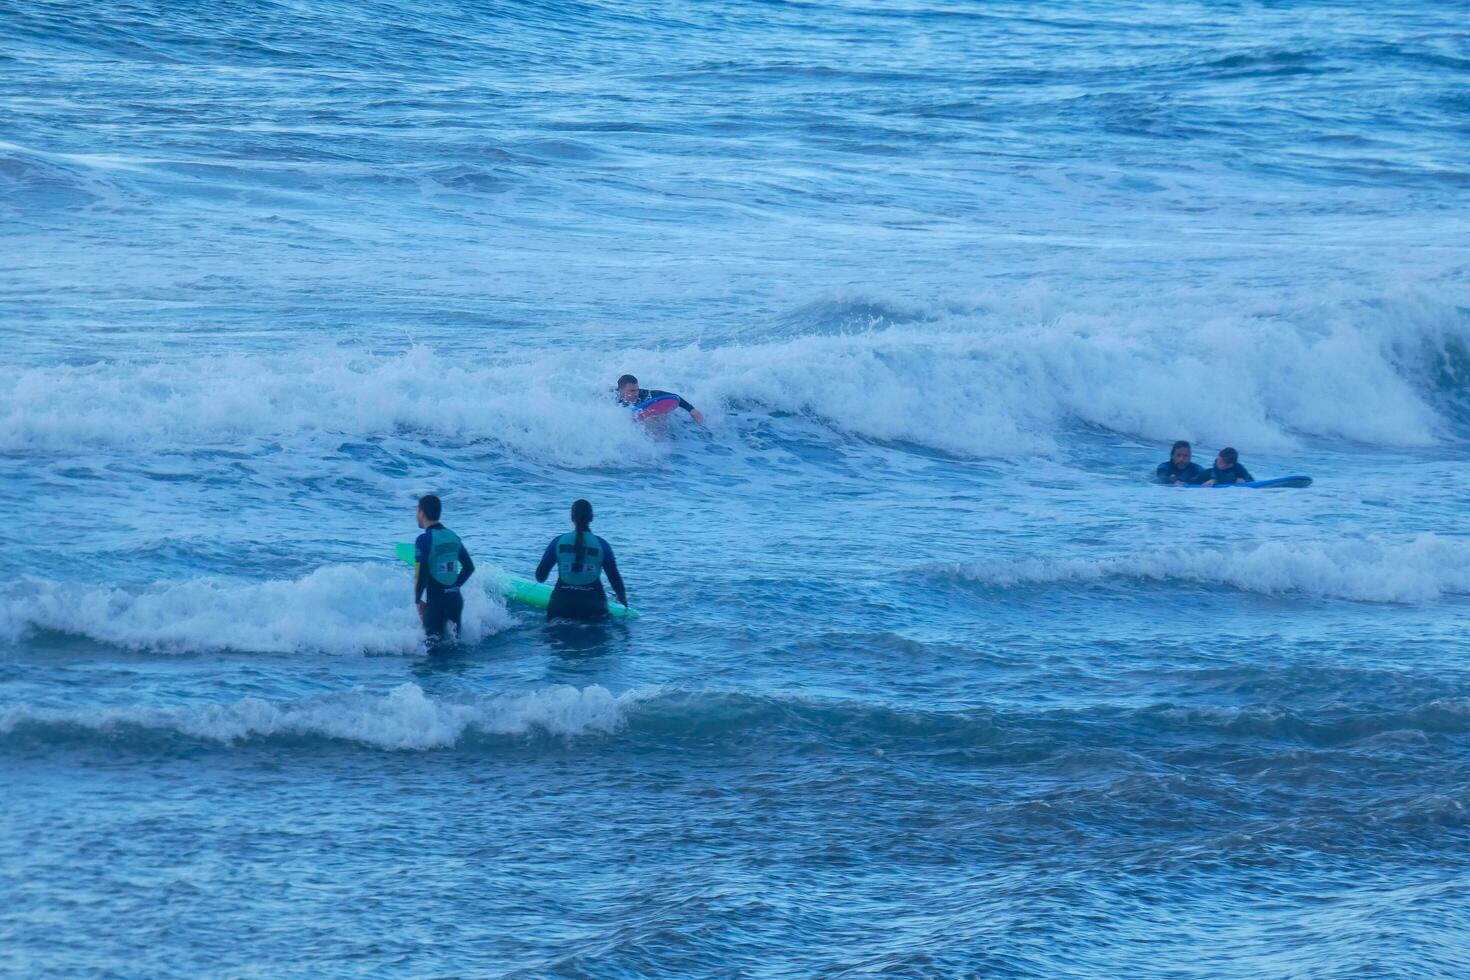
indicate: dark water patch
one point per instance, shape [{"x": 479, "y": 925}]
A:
[
  {"x": 38, "y": 184},
  {"x": 1271, "y": 63},
  {"x": 841, "y": 316}
]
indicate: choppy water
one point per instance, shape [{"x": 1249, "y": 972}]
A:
[{"x": 931, "y": 680}]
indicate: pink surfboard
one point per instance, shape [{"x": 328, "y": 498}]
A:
[{"x": 655, "y": 407}]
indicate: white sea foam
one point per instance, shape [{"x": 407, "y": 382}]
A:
[
  {"x": 1009, "y": 376},
  {"x": 1421, "y": 569},
  {"x": 341, "y": 609},
  {"x": 226, "y": 399},
  {"x": 404, "y": 718},
  {"x": 1001, "y": 378}
]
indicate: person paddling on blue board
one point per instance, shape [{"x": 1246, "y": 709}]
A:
[
  {"x": 581, "y": 559},
  {"x": 441, "y": 566},
  {"x": 1227, "y": 469},
  {"x": 1178, "y": 470},
  {"x": 650, "y": 402}
]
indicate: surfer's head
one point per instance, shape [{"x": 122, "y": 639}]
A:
[
  {"x": 430, "y": 507},
  {"x": 1180, "y": 454},
  {"x": 582, "y": 514},
  {"x": 628, "y": 389},
  {"x": 1226, "y": 459}
]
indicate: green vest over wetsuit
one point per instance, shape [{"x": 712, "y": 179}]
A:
[
  {"x": 590, "y": 570},
  {"x": 444, "y": 548}
]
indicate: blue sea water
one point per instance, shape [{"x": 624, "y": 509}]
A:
[{"x": 931, "y": 680}]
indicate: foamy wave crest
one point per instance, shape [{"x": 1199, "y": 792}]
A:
[
  {"x": 1423, "y": 569},
  {"x": 998, "y": 379},
  {"x": 336, "y": 609},
  {"x": 550, "y": 409},
  {"x": 1010, "y": 376},
  {"x": 405, "y": 718}
]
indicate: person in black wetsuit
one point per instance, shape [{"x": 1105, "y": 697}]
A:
[
  {"x": 581, "y": 559},
  {"x": 441, "y": 566},
  {"x": 630, "y": 394},
  {"x": 1227, "y": 469},
  {"x": 1178, "y": 469}
]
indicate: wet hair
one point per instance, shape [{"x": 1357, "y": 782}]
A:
[
  {"x": 431, "y": 505},
  {"x": 627, "y": 379},
  {"x": 1229, "y": 455},
  {"x": 1181, "y": 444},
  {"x": 582, "y": 517}
]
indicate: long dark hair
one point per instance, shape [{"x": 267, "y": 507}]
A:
[{"x": 582, "y": 518}]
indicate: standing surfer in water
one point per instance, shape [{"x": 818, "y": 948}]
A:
[
  {"x": 441, "y": 566},
  {"x": 630, "y": 394},
  {"x": 581, "y": 559}
]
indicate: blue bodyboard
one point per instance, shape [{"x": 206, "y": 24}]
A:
[{"x": 1282, "y": 482}]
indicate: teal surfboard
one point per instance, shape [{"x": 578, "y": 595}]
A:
[{"x": 522, "y": 590}]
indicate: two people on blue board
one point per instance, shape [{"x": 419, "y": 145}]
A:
[
  {"x": 1179, "y": 469},
  {"x": 630, "y": 394},
  {"x": 442, "y": 565}
]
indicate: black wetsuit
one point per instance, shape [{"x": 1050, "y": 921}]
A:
[
  {"x": 1232, "y": 475},
  {"x": 580, "y": 601},
  {"x": 443, "y": 604},
  {"x": 1190, "y": 473}
]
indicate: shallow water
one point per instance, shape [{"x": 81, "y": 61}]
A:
[{"x": 931, "y": 679}]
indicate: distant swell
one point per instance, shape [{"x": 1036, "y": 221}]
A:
[
  {"x": 1423, "y": 569},
  {"x": 406, "y": 718}
]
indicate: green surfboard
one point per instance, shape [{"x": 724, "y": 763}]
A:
[{"x": 522, "y": 590}]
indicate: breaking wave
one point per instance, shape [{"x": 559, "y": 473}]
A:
[
  {"x": 998, "y": 379},
  {"x": 337, "y": 609}
]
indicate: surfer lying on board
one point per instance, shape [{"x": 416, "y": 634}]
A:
[
  {"x": 581, "y": 559},
  {"x": 630, "y": 394},
  {"x": 441, "y": 566},
  {"x": 1178, "y": 469},
  {"x": 1227, "y": 469}
]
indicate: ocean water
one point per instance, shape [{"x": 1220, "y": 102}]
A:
[{"x": 931, "y": 679}]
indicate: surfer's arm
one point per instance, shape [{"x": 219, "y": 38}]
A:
[
  {"x": 683, "y": 402},
  {"x": 610, "y": 569},
  {"x": 696, "y": 413},
  {"x": 420, "y": 562},
  {"x": 547, "y": 560},
  {"x": 466, "y": 567}
]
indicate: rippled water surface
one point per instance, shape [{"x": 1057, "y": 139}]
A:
[{"x": 931, "y": 680}]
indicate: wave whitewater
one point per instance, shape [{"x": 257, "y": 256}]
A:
[
  {"x": 337, "y": 609},
  {"x": 999, "y": 379}
]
